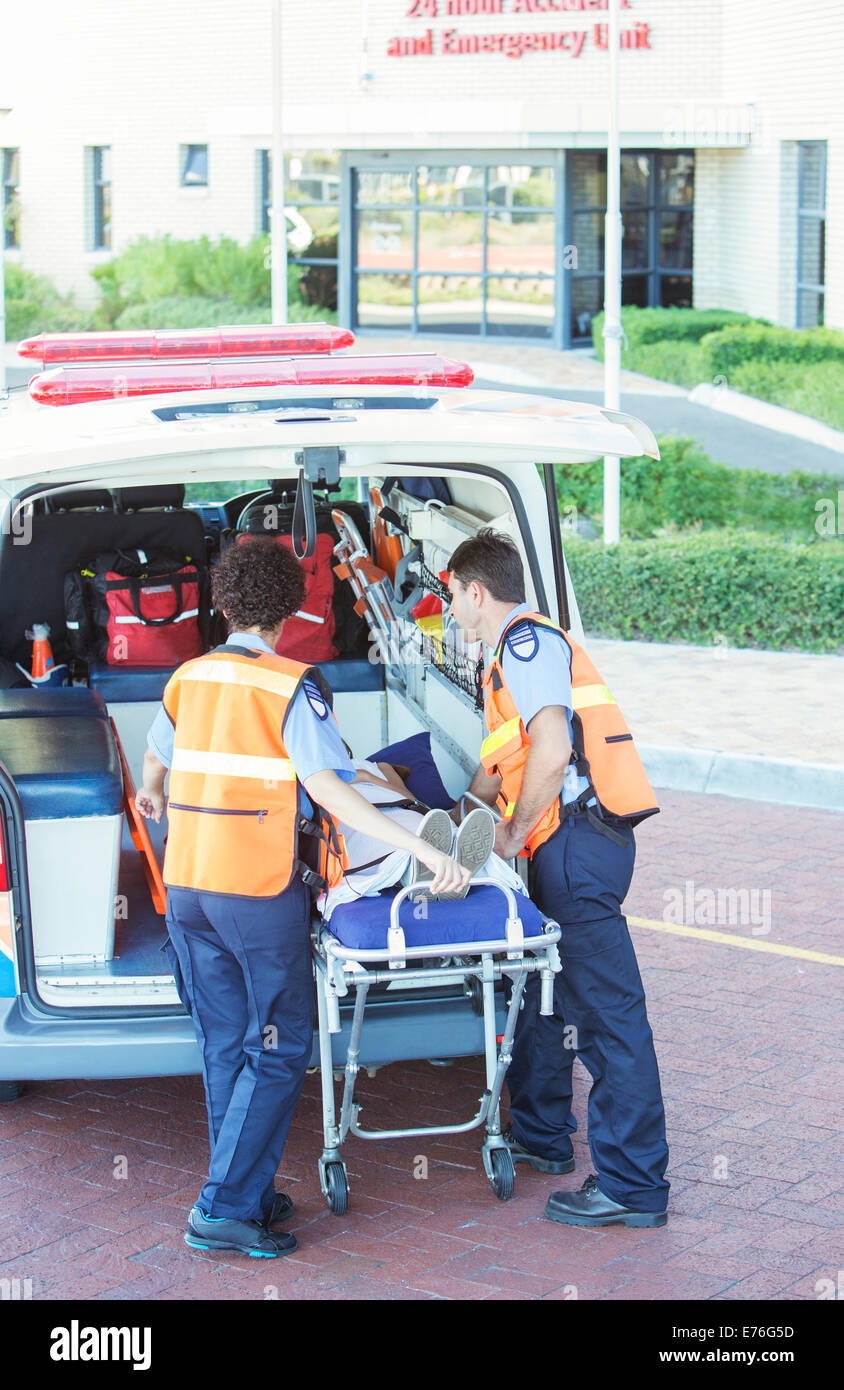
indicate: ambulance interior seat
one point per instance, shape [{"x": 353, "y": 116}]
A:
[
  {"x": 77, "y": 499},
  {"x": 159, "y": 497}
]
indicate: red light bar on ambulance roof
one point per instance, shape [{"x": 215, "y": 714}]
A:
[
  {"x": 262, "y": 340},
  {"x": 77, "y": 385}
]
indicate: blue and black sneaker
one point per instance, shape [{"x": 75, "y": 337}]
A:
[
  {"x": 281, "y": 1210},
  {"x": 225, "y": 1233},
  {"x": 536, "y": 1161}
]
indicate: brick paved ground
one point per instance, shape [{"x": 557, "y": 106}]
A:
[
  {"x": 703, "y": 697},
  {"x": 748, "y": 1051}
]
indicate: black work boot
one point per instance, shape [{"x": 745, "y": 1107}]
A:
[{"x": 591, "y": 1207}]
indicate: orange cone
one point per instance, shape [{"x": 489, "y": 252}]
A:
[{"x": 42, "y": 655}]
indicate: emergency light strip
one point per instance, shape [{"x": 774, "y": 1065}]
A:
[
  {"x": 262, "y": 340},
  {"x": 78, "y": 385}
]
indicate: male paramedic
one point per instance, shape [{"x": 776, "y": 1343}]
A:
[
  {"x": 560, "y": 766},
  {"x": 241, "y": 731}
]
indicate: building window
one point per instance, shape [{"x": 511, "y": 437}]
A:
[
  {"x": 811, "y": 232},
  {"x": 101, "y": 197},
  {"x": 11, "y": 210},
  {"x": 312, "y": 215},
  {"x": 657, "y": 198},
  {"x": 460, "y": 248},
  {"x": 193, "y": 166}
]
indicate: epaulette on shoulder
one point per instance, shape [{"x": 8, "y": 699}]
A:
[{"x": 522, "y": 641}]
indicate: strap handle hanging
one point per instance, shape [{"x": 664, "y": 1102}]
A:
[
  {"x": 318, "y": 464},
  {"x": 171, "y": 581}
]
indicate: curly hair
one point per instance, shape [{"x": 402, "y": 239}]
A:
[{"x": 257, "y": 583}]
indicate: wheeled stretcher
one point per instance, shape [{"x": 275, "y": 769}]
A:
[{"x": 477, "y": 942}]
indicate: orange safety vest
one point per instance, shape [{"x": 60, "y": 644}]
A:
[
  {"x": 602, "y": 748},
  {"x": 233, "y": 800}
]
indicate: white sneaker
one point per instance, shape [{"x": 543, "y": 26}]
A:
[
  {"x": 475, "y": 840},
  {"x": 437, "y": 830}
]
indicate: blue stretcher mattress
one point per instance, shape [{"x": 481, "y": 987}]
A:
[{"x": 480, "y": 916}]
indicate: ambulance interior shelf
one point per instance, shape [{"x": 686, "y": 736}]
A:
[{"x": 413, "y": 602}]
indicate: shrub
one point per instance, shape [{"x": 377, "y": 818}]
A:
[
  {"x": 644, "y": 326},
  {"x": 34, "y": 305},
  {"x": 814, "y": 390},
  {"x": 174, "y": 312},
  {"x": 151, "y": 269},
  {"x": 730, "y": 348},
  {"x": 677, "y": 361},
  {"x": 748, "y": 589},
  {"x": 686, "y": 488},
  {"x": 211, "y": 313}
]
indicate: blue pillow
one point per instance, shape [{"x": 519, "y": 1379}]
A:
[{"x": 424, "y": 780}]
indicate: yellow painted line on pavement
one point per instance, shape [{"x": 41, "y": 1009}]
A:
[{"x": 728, "y": 939}]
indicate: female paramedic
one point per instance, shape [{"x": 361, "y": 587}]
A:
[
  {"x": 241, "y": 731},
  {"x": 560, "y": 763}
]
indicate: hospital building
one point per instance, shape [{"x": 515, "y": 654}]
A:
[{"x": 445, "y": 159}]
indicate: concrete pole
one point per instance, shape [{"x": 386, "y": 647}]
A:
[
  {"x": 612, "y": 278},
  {"x": 278, "y": 221}
]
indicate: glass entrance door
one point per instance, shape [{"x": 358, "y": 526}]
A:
[{"x": 466, "y": 248}]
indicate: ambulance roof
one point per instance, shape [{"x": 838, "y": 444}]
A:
[{"x": 257, "y": 432}]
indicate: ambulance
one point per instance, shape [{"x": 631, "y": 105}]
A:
[{"x": 135, "y": 444}]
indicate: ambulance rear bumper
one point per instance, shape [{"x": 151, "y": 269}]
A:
[{"x": 37, "y": 1047}]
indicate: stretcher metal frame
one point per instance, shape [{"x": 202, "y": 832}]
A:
[{"x": 478, "y": 965}]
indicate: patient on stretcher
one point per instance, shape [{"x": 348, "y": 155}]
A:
[{"x": 373, "y": 867}]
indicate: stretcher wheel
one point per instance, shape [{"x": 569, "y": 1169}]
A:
[
  {"x": 338, "y": 1190},
  {"x": 9, "y": 1090},
  {"x": 475, "y": 993},
  {"x": 503, "y": 1174}
]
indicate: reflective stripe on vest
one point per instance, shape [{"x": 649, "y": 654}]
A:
[
  {"x": 233, "y": 794},
  {"x": 612, "y": 764},
  {"x": 585, "y": 696},
  {"x": 232, "y": 765},
  {"x": 496, "y": 742},
  {"x": 243, "y": 671}
]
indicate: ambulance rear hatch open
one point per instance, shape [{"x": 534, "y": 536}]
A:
[{"x": 88, "y": 937}]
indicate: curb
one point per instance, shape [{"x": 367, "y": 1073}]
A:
[
  {"x": 771, "y": 417},
  {"x": 745, "y": 775}
]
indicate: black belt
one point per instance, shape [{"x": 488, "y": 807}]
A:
[{"x": 596, "y": 818}]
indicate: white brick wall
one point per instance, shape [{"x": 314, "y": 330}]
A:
[
  {"x": 786, "y": 60},
  {"x": 145, "y": 79}
]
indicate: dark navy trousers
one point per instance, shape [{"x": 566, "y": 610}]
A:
[
  {"x": 580, "y": 878},
  {"x": 243, "y": 970}
]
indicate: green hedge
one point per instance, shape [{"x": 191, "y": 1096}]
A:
[
  {"x": 745, "y": 589},
  {"x": 731, "y": 348},
  {"x": 797, "y": 369},
  {"x": 644, "y": 326},
  {"x": 686, "y": 488}
]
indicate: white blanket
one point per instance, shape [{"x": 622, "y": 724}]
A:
[{"x": 393, "y": 864}]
